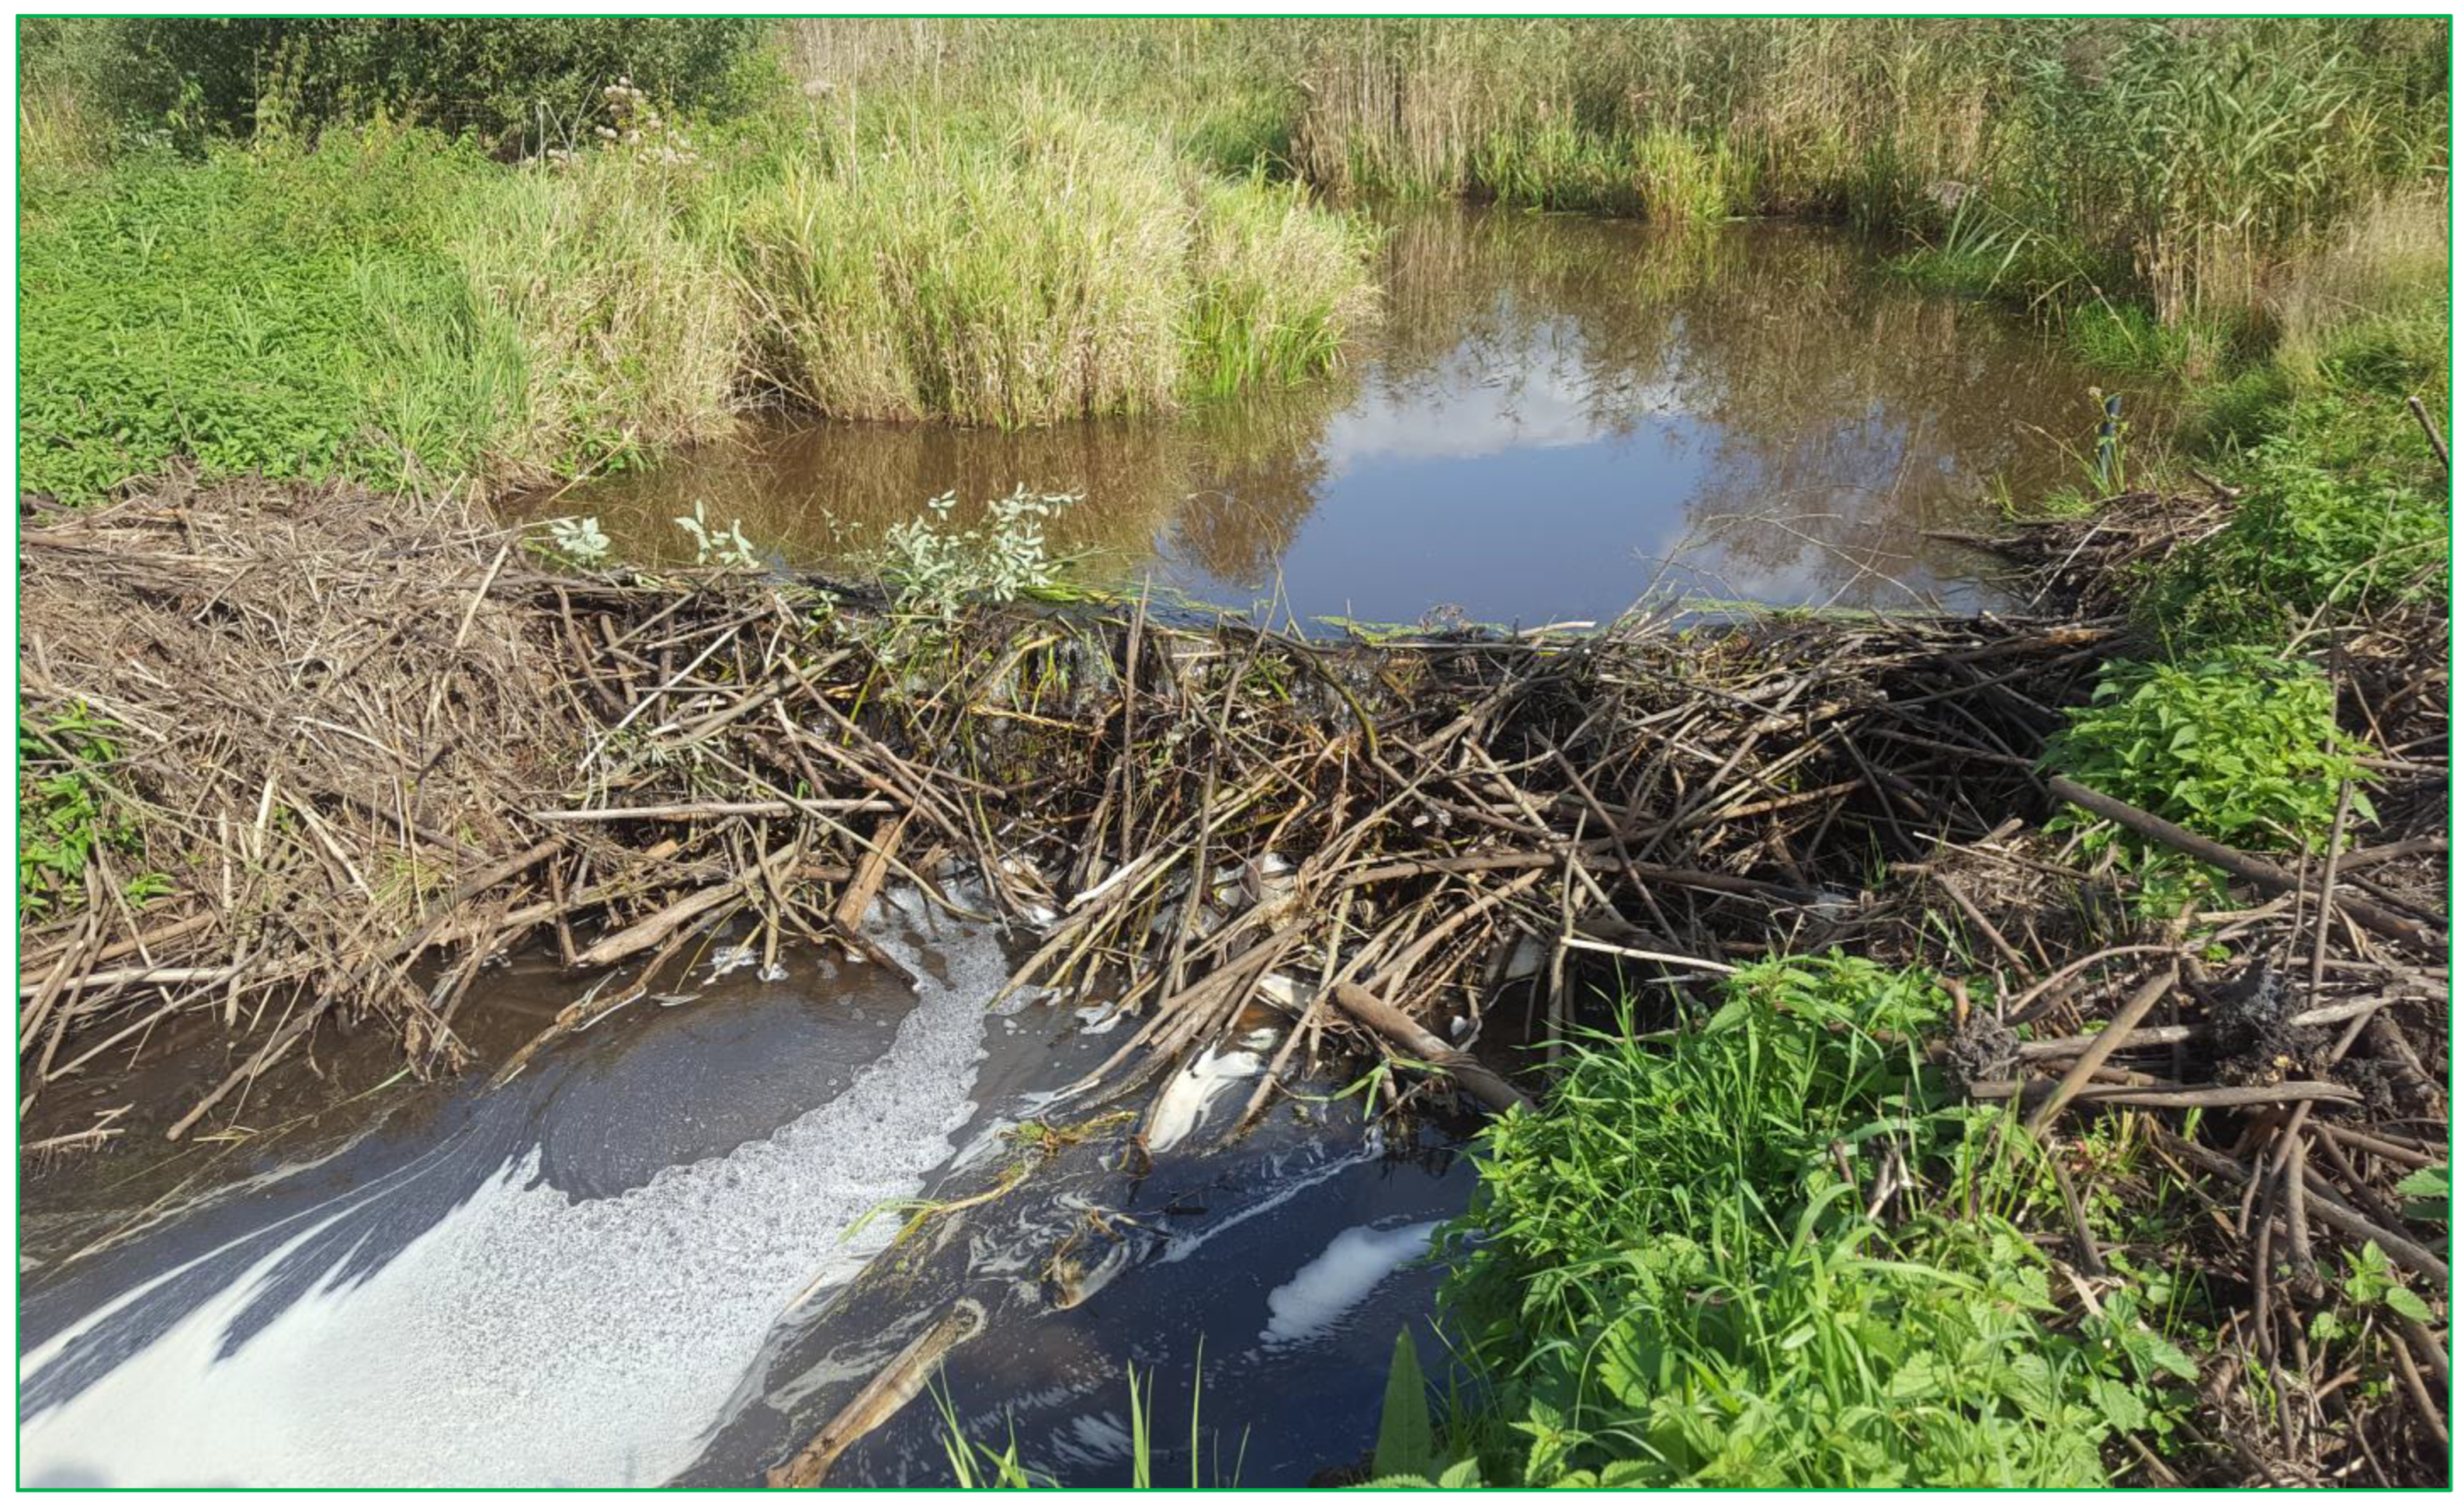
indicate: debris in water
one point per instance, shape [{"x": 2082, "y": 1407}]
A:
[{"x": 1187, "y": 1101}]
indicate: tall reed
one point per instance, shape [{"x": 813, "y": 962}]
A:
[
  {"x": 624, "y": 325},
  {"x": 1022, "y": 266}
]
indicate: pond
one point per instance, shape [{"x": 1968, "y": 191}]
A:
[{"x": 1556, "y": 416}]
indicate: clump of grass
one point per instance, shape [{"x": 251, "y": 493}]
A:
[
  {"x": 1018, "y": 267},
  {"x": 624, "y": 326},
  {"x": 1277, "y": 285},
  {"x": 992, "y": 269},
  {"x": 2381, "y": 279},
  {"x": 1680, "y": 1282}
]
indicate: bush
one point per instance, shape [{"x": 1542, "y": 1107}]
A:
[
  {"x": 506, "y": 80},
  {"x": 1677, "y": 1283}
]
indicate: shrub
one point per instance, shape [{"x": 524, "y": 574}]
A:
[
  {"x": 1677, "y": 1283},
  {"x": 506, "y": 80}
]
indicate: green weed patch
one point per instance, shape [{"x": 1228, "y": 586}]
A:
[{"x": 1743, "y": 1254}]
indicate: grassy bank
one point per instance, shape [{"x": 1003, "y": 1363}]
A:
[
  {"x": 1012, "y": 222},
  {"x": 1912, "y": 1123},
  {"x": 389, "y": 307}
]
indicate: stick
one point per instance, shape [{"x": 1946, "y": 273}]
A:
[
  {"x": 2233, "y": 862},
  {"x": 2421, "y": 416},
  {"x": 2098, "y": 1052},
  {"x": 889, "y": 1391},
  {"x": 1426, "y": 1046}
]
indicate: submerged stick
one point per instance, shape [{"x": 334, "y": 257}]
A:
[{"x": 889, "y": 1391}]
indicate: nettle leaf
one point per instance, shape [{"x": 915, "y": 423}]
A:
[{"x": 2428, "y": 1184}]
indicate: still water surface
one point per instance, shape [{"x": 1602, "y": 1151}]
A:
[{"x": 1557, "y": 416}]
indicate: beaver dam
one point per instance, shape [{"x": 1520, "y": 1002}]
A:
[{"x": 728, "y": 867}]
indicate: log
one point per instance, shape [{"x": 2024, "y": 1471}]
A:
[
  {"x": 889, "y": 1391},
  {"x": 2233, "y": 862},
  {"x": 1476, "y": 1078}
]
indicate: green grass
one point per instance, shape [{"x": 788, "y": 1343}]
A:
[
  {"x": 604, "y": 320},
  {"x": 397, "y": 309},
  {"x": 1679, "y": 1282},
  {"x": 1026, "y": 261}
]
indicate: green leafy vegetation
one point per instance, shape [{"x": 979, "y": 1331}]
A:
[
  {"x": 508, "y": 80},
  {"x": 68, "y": 813},
  {"x": 2341, "y": 516},
  {"x": 2242, "y": 748},
  {"x": 394, "y": 308},
  {"x": 1777, "y": 1248},
  {"x": 234, "y": 312}
]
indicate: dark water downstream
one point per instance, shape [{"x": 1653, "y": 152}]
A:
[
  {"x": 1557, "y": 416},
  {"x": 644, "y": 1260}
]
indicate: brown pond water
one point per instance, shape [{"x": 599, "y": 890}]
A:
[{"x": 1557, "y": 416}]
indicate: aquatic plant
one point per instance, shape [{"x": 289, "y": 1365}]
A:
[
  {"x": 935, "y": 570},
  {"x": 1026, "y": 263}
]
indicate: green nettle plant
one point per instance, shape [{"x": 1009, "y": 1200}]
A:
[
  {"x": 2242, "y": 747},
  {"x": 2317, "y": 538},
  {"x": 1742, "y": 1254}
]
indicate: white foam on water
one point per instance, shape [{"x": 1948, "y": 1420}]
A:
[
  {"x": 527, "y": 1339},
  {"x": 1186, "y": 1245},
  {"x": 1094, "y": 1439},
  {"x": 1333, "y": 1283}
]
